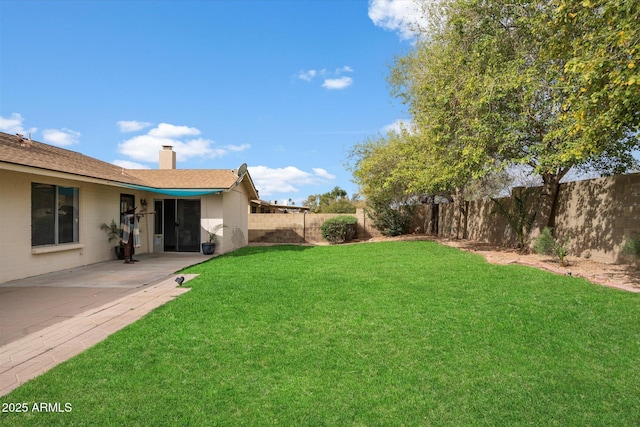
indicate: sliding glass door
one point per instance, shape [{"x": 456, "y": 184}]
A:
[{"x": 181, "y": 225}]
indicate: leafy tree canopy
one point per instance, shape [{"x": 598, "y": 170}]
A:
[
  {"x": 334, "y": 201},
  {"x": 553, "y": 85}
]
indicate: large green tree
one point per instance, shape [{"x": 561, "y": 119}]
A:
[
  {"x": 550, "y": 84},
  {"x": 452, "y": 104},
  {"x": 384, "y": 168},
  {"x": 334, "y": 201},
  {"x": 600, "y": 40},
  {"x": 500, "y": 83}
]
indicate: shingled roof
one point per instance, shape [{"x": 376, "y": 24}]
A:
[
  {"x": 186, "y": 178},
  {"x": 26, "y": 152}
]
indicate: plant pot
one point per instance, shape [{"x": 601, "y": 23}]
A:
[
  {"x": 119, "y": 252},
  {"x": 208, "y": 248}
]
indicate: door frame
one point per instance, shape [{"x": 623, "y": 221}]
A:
[{"x": 169, "y": 240}]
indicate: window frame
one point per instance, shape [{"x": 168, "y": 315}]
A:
[{"x": 57, "y": 228}]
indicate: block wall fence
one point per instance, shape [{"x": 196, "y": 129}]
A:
[
  {"x": 300, "y": 227},
  {"x": 596, "y": 216}
]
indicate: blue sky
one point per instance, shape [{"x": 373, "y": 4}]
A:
[{"x": 287, "y": 87}]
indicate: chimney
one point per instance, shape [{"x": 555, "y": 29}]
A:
[{"x": 167, "y": 157}]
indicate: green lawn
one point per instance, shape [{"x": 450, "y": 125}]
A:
[{"x": 398, "y": 333}]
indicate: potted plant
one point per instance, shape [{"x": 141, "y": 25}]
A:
[
  {"x": 114, "y": 233},
  {"x": 208, "y": 248}
]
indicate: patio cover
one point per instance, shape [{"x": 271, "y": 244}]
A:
[{"x": 177, "y": 192}]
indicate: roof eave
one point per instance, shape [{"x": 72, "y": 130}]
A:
[{"x": 36, "y": 170}]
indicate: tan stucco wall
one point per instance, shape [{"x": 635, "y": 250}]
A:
[
  {"x": 230, "y": 209},
  {"x": 236, "y": 219},
  {"x": 97, "y": 204},
  {"x": 596, "y": 216},
  {"x": 211, "y": 209}
]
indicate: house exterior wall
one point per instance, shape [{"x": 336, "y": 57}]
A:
[
  {"x": 235, "y": 234},
  {"x": 231, "y": 209},
  {"x": 15, "y": 226},
  {"x": 98, "y": 204},
  {"x": 211, "y": 214}
]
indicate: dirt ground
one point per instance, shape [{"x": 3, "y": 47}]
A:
[{"x": 626, "y": 277}]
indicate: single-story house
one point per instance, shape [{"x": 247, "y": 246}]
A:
[{"x": 53, "y": 202}]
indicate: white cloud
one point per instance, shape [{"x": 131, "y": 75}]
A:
[
  {"x": 337, "y": 84},
  {"x": 400, "y": 16},
  {"x": 13, "y": 125},
  {"x": 145, "y": 148},
  {"x": 323, "y": 173},
  {"x": 398, "y": 126},
  {"x": 197, "y": 148},
  {"x": 307, "y": 75},
  {"x": 132, "y": 125},
  {"x": 345, "y": 69},
  {"x": 166, "y": 130},
  {"x": 270, "y": 181},
  {"x": 237, "y": 148},
  {"x": 332, "y": 79},
  {"x": 129, "y": 165},
  {"x": 62, "y": 137}
]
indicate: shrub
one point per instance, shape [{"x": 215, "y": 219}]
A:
[
  {"x": 632, "y": 246},
  {"x": 519, "y": 215},
  {"x": 546, "y": 244},
  {"x": 391, "y": 221},
  {"x": 339, "y": 229}
]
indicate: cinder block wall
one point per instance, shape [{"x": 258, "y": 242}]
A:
[
  {"x": 277, "y": 228},
  {"x": 596, "y": 216},
  {"x": 300, "y": 227}
]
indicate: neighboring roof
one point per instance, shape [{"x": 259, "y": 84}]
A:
[
  {"x": 264, "y": 203},
  {"x": 25, "y": 152}
]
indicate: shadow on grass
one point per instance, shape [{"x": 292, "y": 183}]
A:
[
  {"x": 247, "y": 251},
  {"x": 254, "y": 250}
]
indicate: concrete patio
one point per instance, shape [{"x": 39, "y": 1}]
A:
[{"x": 47, "y": 319}]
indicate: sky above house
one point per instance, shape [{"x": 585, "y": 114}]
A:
[{"x": 287, "y": 87}]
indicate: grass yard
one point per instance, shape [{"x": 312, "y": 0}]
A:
[{"x": 394, "y": 333}]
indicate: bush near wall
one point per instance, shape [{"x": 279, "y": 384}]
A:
[
  {"x": 299, "y": 228},
  {"x": 340, "y": 229}
]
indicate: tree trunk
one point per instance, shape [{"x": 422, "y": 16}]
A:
[
  {"x": 433, "y": 223},
  {"x": 547, "y": 203},
  {"x": 458, "y": 212}
]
